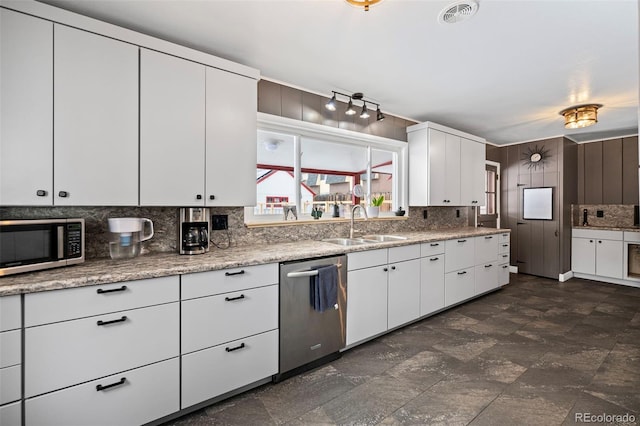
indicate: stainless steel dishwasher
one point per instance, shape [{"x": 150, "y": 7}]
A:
[{"x": 309, "y": 338}]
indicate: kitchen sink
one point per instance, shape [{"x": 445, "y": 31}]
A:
[
  {"x": 348, "y": 241},
  {"x": 383, "y": 238}
]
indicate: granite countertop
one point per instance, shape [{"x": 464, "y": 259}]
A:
[
  {"x": 608, "y": 228},
  {"x": 104, "y": 271}
]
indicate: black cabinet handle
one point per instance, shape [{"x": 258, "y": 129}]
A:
[
  {"x": 521, "y": 184},
  {"x": 385, "y": 269},
  {"x": 435, "y": 244},
  {"x": 228, "y": 349},
  {"x": 231, "y": 299},
  {"x": 41, "y": 193},
  {"x": 101, "y": 291},
  {"x": 590, "y": 241},
  {"x": 434, "y": 259},
  {"x": 118, "y": 383},
  {"x": 198, "y": 197},
  {"x": 599, "y": 242},
  {"x": 230, "y": 274},
  {"x": 462, "y": 273},
  {"x": 521, "y": 223},
  {"x": 462, "y": 241},
  {"x": 123, "y": 319},
  {"x": 63, "y": 194},
  {"x": 393, "y": 268},
  {"x": 505, "y": 266},
  {"x": 488, "y": 238},
  {"x": 212, "y": 197},
  {"x": 488, "y": 266},
  {"x": 505, "y": 255}
]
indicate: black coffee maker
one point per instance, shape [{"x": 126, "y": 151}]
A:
[{"x": 194, "y": 228}]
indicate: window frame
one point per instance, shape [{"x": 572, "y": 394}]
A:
[{"x": 302, "y": 129}]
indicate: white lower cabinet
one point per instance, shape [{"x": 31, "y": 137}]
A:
[
  {"x": 404, "y": 292},
  {"x": 214, "y": 371},
  {"x": 597, "y": 252},
  {"x": 503, "y": 274},
  {"x": 131, "y": 397},
  {"x": 366, "y": 302},
  {"x": 10, "y": 388},
  {"x": 431, "y": 284},
  {"x": 11, "y": 414},
  {"x": 486, "y": 277}
]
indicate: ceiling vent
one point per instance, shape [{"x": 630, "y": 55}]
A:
[{"x": 458, "y": 12}]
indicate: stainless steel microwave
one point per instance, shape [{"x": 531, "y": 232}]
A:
[{"x": 35, "y": 244}]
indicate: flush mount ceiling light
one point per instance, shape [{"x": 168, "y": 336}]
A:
[
  {"x": 579, "y": 116},
  {"x": 331, "y": 105},
  {"x": 458, "y": 12},
  {"x": 363, "y": 3}
]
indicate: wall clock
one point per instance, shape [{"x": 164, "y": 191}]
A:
[{"x": 534, "y": 157}]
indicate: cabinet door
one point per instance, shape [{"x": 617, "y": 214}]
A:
[
  {"x": 11, "y": 414},
  {"x": 486, "y": 277},
  {"x": 26, "y": 110},
  {"x": 437, "y": 156},
  {"x": 452, "y": 171},
  {"x": 459, "y": 286},
  {"x": 486, "y": 249},
  {"x": 583, "y": 255},
  {"x": 431, "y": 284},
  {"x": 403, "y": 293},
  {"x": 95, "y": 119},
  {"x": 460, "y": 254},
  {"x": 231, "y": 152},
  {"x": 172, "y": 130},
  {"x": 472, "y": 174},
  {"x": 609, "y": 255},
  {"x": 366, "y": 303}
]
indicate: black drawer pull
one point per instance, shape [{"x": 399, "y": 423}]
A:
[
  {"x": 231, "y": 299},
  {"x": 505, "y": 245},
  {"x": 123, "y": 319},
  {"x": 434, "y": 258},
  {"x": 118, "y": 383},
  {"x": 63, "y": 194},
  {"x": 212, "y": 197},
  {"x": 199, "y": 197},
  {"x": 385, "y": 269},
  {"x": 234, "y": 349},
  {"x": 435, "y": 244},
  {"x": 229, "y": 274},
  {"x": 393, "y": 268},
  {"x": 505, "y": 266},
  {"x": 462, "y": 241},
  {"x": 488, "y": 266},
  {"x": 101, "y": 291},
  {"x": 488, "y": 238},
  {"x": 41, "y": 193},
  {"x": 462, "y": 273}
]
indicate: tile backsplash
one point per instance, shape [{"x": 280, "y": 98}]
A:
[
  {"x": 165, "y": 220},
  {"x": 613, "y": 215}
]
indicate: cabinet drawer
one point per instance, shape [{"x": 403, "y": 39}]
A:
[
  {"x": 228, "y": 280},
  {"x": 632, "y": 236},
  {"x": 10, "y": 348},
  {"x": 210, "y": 321},
  {"x": 10, "y": 314},
  {"x": 366, "y": 259},
  {"x": 147, "y": 393},
  {"x": 503, "y": 248},
  {"x": 503, "y": 274},
  {"x": 402, "y": 253},
  {"x": 486, "y": 249},
  {"x": 10, "y": 384},
  {"x": 67, "y": 353},
  {"x": 432, "y": 248},
  {"x": 597, "y": 234},
  {"x": 486, "y": 277},
  {"x": 11, "y": 414},
  {"x": 459, "y": 286},
  {"x": 503, "y": 257},
  {"x": 215, "y": 371},
  {"x": 505, "y": 237},
  {"x": 67, "y": 304},
  {"x": 459, "y": 254}
]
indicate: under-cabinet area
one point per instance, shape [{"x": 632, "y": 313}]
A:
[{"x": 183, "y": 341}]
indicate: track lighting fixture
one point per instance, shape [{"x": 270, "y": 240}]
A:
[{"x": 331, "y": 105}]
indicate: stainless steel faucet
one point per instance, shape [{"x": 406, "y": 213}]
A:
[{"x": 353, "y": 213}]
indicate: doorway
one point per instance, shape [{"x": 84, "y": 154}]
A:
[{"x": 488, "y": 215}]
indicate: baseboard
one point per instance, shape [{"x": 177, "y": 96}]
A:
[
  {"x": 513, "y": 269},
  {"x": 565, "y": 277}
]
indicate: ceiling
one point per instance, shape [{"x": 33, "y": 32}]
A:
[{"x": 503, "y": 74}]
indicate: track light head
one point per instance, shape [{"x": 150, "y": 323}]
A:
[
  {"x": 379, "y": 114},
  {"x": 350, "y": 110},
  {"x": 331, "y": 105},
  {"x": 365, "y": 112}
]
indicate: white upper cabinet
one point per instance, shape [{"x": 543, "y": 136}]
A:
[
  {"x": 26, "y": 110},
  {"x": 172, "y": 130},
  {"x": 232, "y": 105},
  {"x": 446, "y": 167},
  {"x": 95, "y": 120}
]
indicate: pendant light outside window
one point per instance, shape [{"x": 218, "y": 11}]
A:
[
  {"x": 580, "y": 116},
  {"x": 365, "y": 112}
]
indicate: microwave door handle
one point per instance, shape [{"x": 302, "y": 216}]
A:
[{"x": 60, "y": 241}]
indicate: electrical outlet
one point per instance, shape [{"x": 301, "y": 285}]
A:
[
  {"x": 219, "y": 222},
  {"x": 599, "y": 213},
  {"x": 457, "y": 212}
]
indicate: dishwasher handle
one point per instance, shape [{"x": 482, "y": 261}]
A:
[{"x": 310, "y": 273}]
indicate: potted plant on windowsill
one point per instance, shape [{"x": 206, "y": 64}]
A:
[{"x": 374, "y": 209}]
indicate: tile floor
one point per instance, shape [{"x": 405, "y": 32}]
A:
[{"x": 537, "y": 352}]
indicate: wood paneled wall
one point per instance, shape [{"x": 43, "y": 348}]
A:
[
  {"x": 285, "y": 101},
  {"x": 608, "y": 172}
]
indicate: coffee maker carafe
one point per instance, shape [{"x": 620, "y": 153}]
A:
[{"x": 194, "y": 230}]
